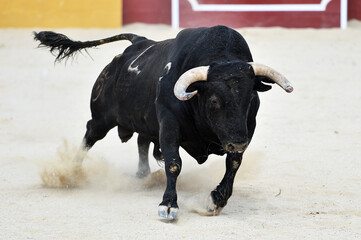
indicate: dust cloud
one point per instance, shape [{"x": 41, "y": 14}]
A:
[
  {"x": 94, "y": 172},
  {"x": 63, "y": 172}
]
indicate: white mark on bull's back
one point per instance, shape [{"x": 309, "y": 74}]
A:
[
  {"x": 136, "y": 69},
  {"x": 166, "y": 70}
]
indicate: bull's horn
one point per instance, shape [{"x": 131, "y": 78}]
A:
[
  {"x": 263, "y": 70},
  {"x": 186, "y": 79}
]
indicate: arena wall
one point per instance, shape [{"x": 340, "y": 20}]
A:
[
  {"x": 354, "y": 9},
  {"x": 147, "y": 11},
  {"x": 159, "y": 11},
  {"x": 60, "y": 13},
  {"x": 112, "y": 13},
  {"x": 260, "y": 13}
]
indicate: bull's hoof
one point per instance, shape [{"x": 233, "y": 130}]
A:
[
  {"x": 212, "y": 207},
  {"x": 167, "y": 212},
  {"x": 143, "y": 173}
]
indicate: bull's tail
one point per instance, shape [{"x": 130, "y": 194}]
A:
[{"x": 62, "y": 47}]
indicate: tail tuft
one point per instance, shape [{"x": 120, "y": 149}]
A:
[
  {"x": 63, "y": 48},
  {"x": 60, "y": 45}
]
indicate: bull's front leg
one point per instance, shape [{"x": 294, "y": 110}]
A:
[
  {"x": 219, "y": 196},
  {"x": 169, "y": 142}
]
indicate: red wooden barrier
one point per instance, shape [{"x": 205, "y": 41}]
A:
[
  {"x": 354, "y": 9},
  {"x": 147, "y": 11}
]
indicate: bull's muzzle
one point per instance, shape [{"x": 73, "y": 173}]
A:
[{"x": 236, "y": 147}]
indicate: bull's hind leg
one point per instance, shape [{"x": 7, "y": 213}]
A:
[
  {"x": 96, "y": 130},
  {"x": 143, "y": 148}
]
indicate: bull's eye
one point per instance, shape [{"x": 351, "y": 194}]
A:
[{"x": 214, "y": 102}]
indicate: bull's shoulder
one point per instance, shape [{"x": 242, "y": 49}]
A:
[
  {"x": 202, "y": 46},
  {"x": 220, "y": 32},
  {"x": 205, "y": 30}
]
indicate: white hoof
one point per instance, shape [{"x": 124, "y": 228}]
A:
[
  {"x": 167, "y": 212},
  {"x": 212, "y": 208}
]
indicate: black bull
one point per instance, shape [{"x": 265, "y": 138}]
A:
[{"x": 143, "y": 90}]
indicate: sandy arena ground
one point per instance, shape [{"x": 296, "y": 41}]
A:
[{"x": 300, "y": 178}]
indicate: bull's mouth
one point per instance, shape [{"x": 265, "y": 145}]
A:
[{"x": 236, "y": 147}]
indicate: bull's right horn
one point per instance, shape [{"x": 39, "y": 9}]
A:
[
  {"x": 263, "y": 70},
  {"x": 193, "y": 75}
]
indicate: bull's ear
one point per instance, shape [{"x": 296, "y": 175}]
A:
[{"x": 259, "y": 84}]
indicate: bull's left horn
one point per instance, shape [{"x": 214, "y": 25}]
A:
[
  {"x": 263, "y": 70},
  {"x": 193, "y": 75}
]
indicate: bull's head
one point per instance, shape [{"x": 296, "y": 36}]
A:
[{"x": 226, "y": 97}]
